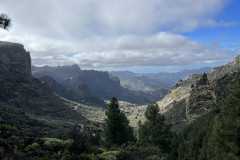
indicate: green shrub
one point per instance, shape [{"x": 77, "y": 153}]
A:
[
  {"x": 53, "y": 144},
  {"x": 85, "y": 156},
  {"x": 66, "y": 156},
  {"x": 33, "y": 150},
  {"x": 110, "y": 155}
]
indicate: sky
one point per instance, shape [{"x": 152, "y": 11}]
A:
[{"x": 144, "y": 36}]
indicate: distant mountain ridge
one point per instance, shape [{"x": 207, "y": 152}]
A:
[
  {"x": 60, "y": 73},
  {"x": 143, "y": 83},
  {"x": 101, "y": 84},
  {"x": 146, "y": 82}
]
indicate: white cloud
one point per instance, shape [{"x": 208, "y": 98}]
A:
[
  {"x": 83, "y": 18},
  {"x": 106, "y": 33},
  {"x": 162, "y": 49}
]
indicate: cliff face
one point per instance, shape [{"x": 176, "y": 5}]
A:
[
  {"x": 24, "y": 95},
  {"x": 100, "y": 84},
  {"x": 15, "y": 61},
  {"x": 59, "y": 73},
  {"x": 198, "y": 94},
  {"x": 201, "y": 99}
]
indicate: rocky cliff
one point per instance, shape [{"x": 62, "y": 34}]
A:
[
  {"x": 198, "y": 94},
  {"x": 100, "y": 84},
  {"x": 20, "y": 94},
  {"x": 15, "y": 61},
  {"x": 201, "y": 99}
]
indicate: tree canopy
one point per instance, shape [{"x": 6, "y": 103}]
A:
[
  {"x": 154, "y": 130},
  {"x": 225, "y": 137},
  {"x": 116, "y": 127},
  {"x": 5, "y": 21}
]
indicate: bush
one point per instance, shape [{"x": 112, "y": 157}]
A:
[
  {"x": 33, "y": 150},
  {"x": 53, "y": 144},
  {"x": 85, "y": 156},
  {"x": 110, "y": 155}
]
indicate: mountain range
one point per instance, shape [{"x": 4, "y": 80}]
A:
[
  {"x": 150, "y": 81},
  {"x": 101, "y": 85}
]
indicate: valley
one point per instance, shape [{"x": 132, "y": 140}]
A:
[
  {"x": 119, "y": 80},
  {"x": 53, "y": 102}
]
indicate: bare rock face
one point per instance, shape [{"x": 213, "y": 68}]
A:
[
  {"x": 201, "y": 98},
  {"x": 15, "y": 61}
]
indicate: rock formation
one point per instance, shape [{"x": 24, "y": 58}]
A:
[
  {"x": 201, "y": 99},
  {"x": 15, "y": 61}
]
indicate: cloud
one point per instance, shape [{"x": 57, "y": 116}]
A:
[
  {"x": 110, "y": 33},
  {"x": 162, "y": 49},
  {"x": 84, "y": 18}
]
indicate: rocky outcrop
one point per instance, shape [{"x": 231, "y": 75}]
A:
[
  {"x": 201, "y": 99},
  {"x": 15, "y": 61},
  {"x": 203, "y": 80}
]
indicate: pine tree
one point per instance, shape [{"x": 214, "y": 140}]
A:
[
  {"x": 224, "y": 142},
  {"x": 154, "y": 130},
  {"x": 116, "y": 127}
]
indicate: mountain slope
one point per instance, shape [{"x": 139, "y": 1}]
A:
[
  {"x": 104, "y": 86},
  {"x": 124, "y": 75},
  {"x": 164, "y": 80},
  {"x": 197, "y": 95},
  {"x": 171, "y": 78},
  {"x": 20, "y": 94},
  {"x": 81, "y": 94},
  {"x": 142, "y": 83}
]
